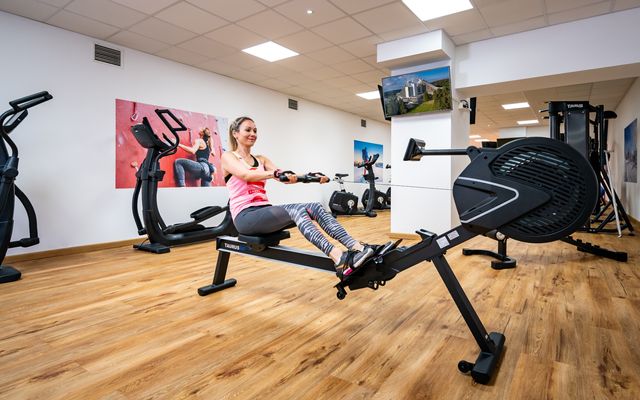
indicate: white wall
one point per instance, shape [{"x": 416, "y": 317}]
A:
[
  {"x": 628, "y": 110},
  {"x": 557, "y": 55},
  {"x": 67, "y": 146}
]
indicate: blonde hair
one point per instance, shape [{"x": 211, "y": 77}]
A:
[{"x": 235, "y": 127}]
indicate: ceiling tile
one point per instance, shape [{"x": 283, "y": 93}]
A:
[
  {"x": 512, "y": 11},
  {"x": 331, "y": 55},
  {"x": 580, "y": 13},
  {"x": 530, "y": 24},
  {"x": 137, "y": 42},
  {"x": 146, "y": 6},
  {"x": 304, "y": 42},
  {"x": 353, "y": 67},
  {"x": 343, "y": 81},
  {"x": 620, "y": 5},
  {"x": 404, "y": 32},
  {"x": 218, "y": 67},
  {"x": 342, "y": 31},
  {"x": 270, "y": 25},
  {"x": 472, "y": 37},
  {"x": 161, "y": 30},
  {"x": 374, "y": 76},
  {"x": 295, "y": 79},
  {"x": 272, "y": 3},
  {"x": 300, "y": 63},
  {"x": 28, "y": 8},
  {"x": 243, "y": 60},
  {"x": 229, "y": 10},
  {"x": 274, "y": 84},
  {"x": 272, "y": 70},
  {"x": 248, "y": 76},
  {"x": 323, "y": 12},
  {"x": 57, "y": 3},
  {"x": 83, "y": 25},
  {"x": 181, "y": 55},
  {"x": 363, "y": 47},
  {"x": 322, "y": 73},
  {"x": 208, "y": 47},
  {"x": 107, "y": 12},
  {"x": 296, "y": 91},
  {"x": 459, "y": 23},
  {"x": 554, "y": 6},
  {"x": 355, "y": 6},
  {"x": 391, "y": 17},
  {"x": 191, "y": 18},
  {"x": 236, "y": 36}
]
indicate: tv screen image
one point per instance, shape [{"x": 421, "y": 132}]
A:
[{"x": 417, "y": 92}]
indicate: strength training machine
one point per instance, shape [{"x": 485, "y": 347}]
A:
[
  {"x": 534, "y": 190},
  {"x": 161, "y": 236},
  {"x": 9, "y": 120}
]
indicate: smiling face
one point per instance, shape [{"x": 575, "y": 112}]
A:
[{"x": 246, "y": 134}]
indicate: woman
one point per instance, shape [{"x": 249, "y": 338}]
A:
[
  {"x": 252, "y": 213},
  {"x": 201, "y": 168}
]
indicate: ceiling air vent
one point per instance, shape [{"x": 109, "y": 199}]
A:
[
  {"x": 107, "y": 55},
  {"x": 293, "y": 104}
]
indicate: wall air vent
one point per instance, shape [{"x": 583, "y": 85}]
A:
[
  {"x": 363, "y": 123},
  {"x": 107, "y": 55},
  {"x": 293, "y": 104}
]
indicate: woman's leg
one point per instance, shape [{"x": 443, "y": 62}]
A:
[
  {"x": 183, "y": 164},
  {"x": 299, "y": 215},
  {"x": 326, "y": 222}
]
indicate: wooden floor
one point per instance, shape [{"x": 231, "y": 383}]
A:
[{"x": 119, "y": 324}]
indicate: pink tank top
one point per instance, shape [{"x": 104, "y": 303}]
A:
[{"x": 243, "y": 194}]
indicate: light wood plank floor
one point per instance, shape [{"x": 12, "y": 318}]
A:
[{"x": 119, "y": 324}]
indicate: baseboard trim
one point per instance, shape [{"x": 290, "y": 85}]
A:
[
  {"x": 408, "y": 236},
  {"x": 70, "y": 250}
]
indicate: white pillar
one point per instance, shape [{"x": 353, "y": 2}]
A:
[{"x": 422, "y": 193}]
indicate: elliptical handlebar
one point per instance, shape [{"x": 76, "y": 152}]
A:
[
  {"x": 27, "y": 102},
  {"x": 369, "y": 162},
  {"x": 174, "y": 131}
]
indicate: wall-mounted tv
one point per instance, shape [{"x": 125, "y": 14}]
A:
[{"x": 417, "y": 92}]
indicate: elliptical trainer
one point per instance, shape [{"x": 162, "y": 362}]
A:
[
  {"x": 160, "y": 235},
  {"x": 342, "y": 202},
  {"x": 8, "y": 189}
]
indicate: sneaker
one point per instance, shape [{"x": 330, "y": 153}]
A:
[{"x": 351, "y": 260}]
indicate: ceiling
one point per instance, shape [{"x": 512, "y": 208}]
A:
[{"x": 337, "y": 42}]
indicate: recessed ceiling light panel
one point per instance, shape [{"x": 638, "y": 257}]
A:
[
  {"x": 513, "y": 106},
  {"x": 431, "y": 9},
  {"x": 528, "y": 122},
  {"x": 369, "y": 95},
  {"x": 270, "y": 51}
]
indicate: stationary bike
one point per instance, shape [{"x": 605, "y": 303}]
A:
[
  {"x": 382, "y": 199},
  {"x": 342, "y": 202},
  {"x": 160, "y": 235},
  {"x": 8, "y": 189}
]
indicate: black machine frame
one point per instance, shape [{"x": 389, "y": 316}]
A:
[
  {"x": 8, "y": 189},
  {"x": 549, "y": 190},
  {"x": 160, "y": 235}
]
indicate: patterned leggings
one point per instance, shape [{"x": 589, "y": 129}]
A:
[{"x": 268, "y": 219}]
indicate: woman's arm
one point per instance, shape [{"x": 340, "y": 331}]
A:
[
  {"x": 235, "y": 167},
  {"x": 270, "y": 166},
  {"x": 196, "y": 146}
]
